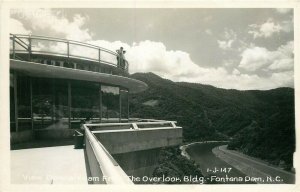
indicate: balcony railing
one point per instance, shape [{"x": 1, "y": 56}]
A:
[
  {"x": 102, "y": 164},
  {"x": 148, "y": 124},
  {"x": 31, "y": 45},
  {"x": 109, "y": 171}
]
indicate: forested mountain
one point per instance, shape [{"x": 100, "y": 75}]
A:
[{"x": 259, "y": 123}]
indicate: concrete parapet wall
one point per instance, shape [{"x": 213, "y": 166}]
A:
[
  {"x": 137, "y": 151},
  {"x": 125, "y": 141}
]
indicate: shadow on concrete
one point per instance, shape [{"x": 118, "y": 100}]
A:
[
  {"x": 87, "y": 167},
  {"x": 42, "y": 143}
]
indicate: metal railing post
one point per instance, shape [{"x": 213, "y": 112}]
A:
[
  {"x": 14, "y": 47},
  {"x": 68, "y": 51},
  {"x": 173, "y": 124},
  {"x": 99, "y": 59},
  {"x": 29, "y": 48},
  {"x": 134, "y": 125},
  {"x": 99, "y": 55}
]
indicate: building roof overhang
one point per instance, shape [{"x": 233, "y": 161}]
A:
[{"x": 50, "y": 71}]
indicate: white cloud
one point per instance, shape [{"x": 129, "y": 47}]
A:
[
  {"x": 283, "y": 79},
  {"x": 55, "y": 22},
  {"x": 269, "y": 28},
  {"x": 265, "y": 30},
  {"x": 236, "y": 72},
  {"x": 149, "y": 56},
  {"x": 283, "y": 64},
  {"x": 284, "y": 10},
  {"x": 229, "y": 34},
  {"x": 220, "y": 78},
  {"x": 229, "y": 62},
  {"x": 225, "y": 45},
  {"x": 228, "y": 38},
  {"x": 16, "y": 27},
  {"x": 255, "y": 58}
]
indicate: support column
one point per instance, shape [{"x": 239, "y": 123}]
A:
[
  {"x": 69, "y": 102},
  {"x": 16, "y": 100}
]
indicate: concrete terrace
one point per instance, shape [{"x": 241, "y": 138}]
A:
[
  {"x": 112, "y": 152},
  {"x": 49, "y": 165}
]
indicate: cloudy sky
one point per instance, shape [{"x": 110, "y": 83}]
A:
[{"x": 228, "y": 48}]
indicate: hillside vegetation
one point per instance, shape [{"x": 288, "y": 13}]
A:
[{"x": 258, "y": 123}]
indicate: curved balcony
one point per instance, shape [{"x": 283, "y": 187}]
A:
[{"x": 66, "y": 53}]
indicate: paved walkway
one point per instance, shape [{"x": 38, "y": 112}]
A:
[{"x": 48, "y": 165}]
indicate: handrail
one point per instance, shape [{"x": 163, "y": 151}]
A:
[
  {"x": 111, "y": 56},
  {"x": 135, "y": 125},
  {"x": 109, "y": 167}
]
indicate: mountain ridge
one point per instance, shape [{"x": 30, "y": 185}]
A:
[{"x": 206, "y": 112}]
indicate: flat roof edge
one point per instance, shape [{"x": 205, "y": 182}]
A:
[{"x": 49, "y": 71}]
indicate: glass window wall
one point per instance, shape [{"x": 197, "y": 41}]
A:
[
  {"x": 60, "y": 104},
  {"x": 85, "y": 102},
  {"x": 44, "y": 103},
  {"x": 110, "y": 102},
  {"x": 23, "y": 103},
  {"x": 124, "y": 104},
  {"x": 12, "y": 102}
]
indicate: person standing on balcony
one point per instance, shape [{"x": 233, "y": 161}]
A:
[{"x": 121, "y": 58}]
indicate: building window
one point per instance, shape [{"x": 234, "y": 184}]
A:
[
  {"x": 68, "y": 65},
  {"x": 12, "y": 102},
  {"x": 57, "y": 63},
  {"x": 42, "y": 103},
  {"x": 23, "y": 103},
  {"x": 85, "y": 102},
  {"x": 60, "y": 107},
  {"x": 110, "y": 103},
  {"x": 124, "y": 104},
  {"x": 50, "y": 103},
  {"x": 82, "y": 66}
]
